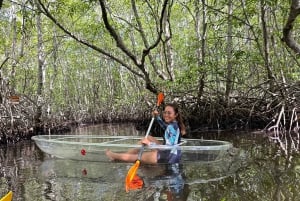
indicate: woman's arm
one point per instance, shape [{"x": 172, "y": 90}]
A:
[
  {"x": 154, "y": 140},
  {"x": 150, "y": 141},
  {"x": 162, "y": 124}
]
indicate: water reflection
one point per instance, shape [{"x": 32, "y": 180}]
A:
[
  {"x": 78, "y": 180},
  {"x": 169, "y": 183},
  {"x": 17, "y": 165},
  {"x": 257, "y": 172},
  {"x": 161, "y": 182}
]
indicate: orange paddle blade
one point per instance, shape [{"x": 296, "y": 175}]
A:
[
  {"x": 130, "y": 175},
  {"x": 160, "y": 98},
  {"x": 7, "y": 197},
  {"x": 136, "y": 183}
]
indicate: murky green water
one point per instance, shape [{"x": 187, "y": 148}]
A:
[{"x": 257, "y": 170}]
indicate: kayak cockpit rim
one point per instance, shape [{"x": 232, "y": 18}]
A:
[{"x": 119, "y": 141}]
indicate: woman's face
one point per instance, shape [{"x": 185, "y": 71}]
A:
[{"x": 169, "y": 114}]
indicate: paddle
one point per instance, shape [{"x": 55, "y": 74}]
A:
[
  {"x": 7, "y": 197},
  {"x": 132, "y": 171}
]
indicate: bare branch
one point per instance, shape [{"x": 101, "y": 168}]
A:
[
  {"x": 2, "y": 64},
  {"x": 116, "y": 36},
  {"x": 160, "y": 31},
  {"x": 140, "y": 64},
  {"x": 146, "y": 43},
  {"x": 86, "y": 43},
  {"x": 287, "y": 30}
]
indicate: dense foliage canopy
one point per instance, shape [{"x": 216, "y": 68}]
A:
[{"x": 229, "y": 64}]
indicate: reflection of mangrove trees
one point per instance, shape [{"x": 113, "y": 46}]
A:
[
  {"x": 263, "y": 175},
  {"x": 16, "y": 163},
  {"x": 224, "y": 62},
  {"x": 258, "y": 170}
]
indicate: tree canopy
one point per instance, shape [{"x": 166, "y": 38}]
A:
[{"x": 229, "y": 64}]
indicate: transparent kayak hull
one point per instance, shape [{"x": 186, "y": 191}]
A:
[{"x": 93, "y": 147}]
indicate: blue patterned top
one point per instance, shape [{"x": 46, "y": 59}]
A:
[{"x": 172, "y": 132}]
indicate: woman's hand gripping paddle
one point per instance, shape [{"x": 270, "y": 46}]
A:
[{"x": 132, "y": 171}]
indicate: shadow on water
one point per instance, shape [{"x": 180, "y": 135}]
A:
[{"x": 255, "y": 170}]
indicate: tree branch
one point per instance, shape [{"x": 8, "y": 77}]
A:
[
  {"x": 46, "y": 12},
  {"x": 160, "y": 31},
  {"x": 140, "y": 64},
  {"x": 287, "y": 30},
  {"x": 146, "y": 43},
  {"x": 2, "y": 64},
  {"x": 115, "y": 35}
]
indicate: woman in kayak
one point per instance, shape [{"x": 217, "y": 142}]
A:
[{"x": 173, "y": 127}]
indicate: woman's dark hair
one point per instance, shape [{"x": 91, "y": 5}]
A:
[{"x": 178, "y": 118}]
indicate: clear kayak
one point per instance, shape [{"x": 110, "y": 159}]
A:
[
  {"x": 93, "y": 147},
  {"x": 7, "y": 197}
]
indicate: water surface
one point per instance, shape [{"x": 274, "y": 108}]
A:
[{"x": 256, "y": 170}]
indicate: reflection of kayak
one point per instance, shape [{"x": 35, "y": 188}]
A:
[
  {"x": 92, "y": 147},
  {"x": 88, "y": 180},
  {"x": 106, "y": 179},
  {"x": 201, "y": 172},
  {"x": 89, "y": 170},
  {"x": 7, "y": 197}
]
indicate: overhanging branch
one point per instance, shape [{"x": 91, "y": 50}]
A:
[
  {"x": 46, "y": 12},
  {"x": 288, "y": 28}
]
